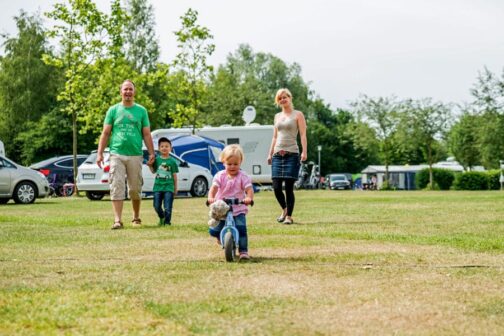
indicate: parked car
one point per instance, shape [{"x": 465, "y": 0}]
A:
[
  {"x": 94, "y": 181},
  {"x": 20, "y": 183},
  {"x": 338, "y": 181},
  {"x": 59, "y": 171}
]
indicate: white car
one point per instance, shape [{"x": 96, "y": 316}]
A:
[
  {"x": 22, "y": 184},
  {"x": 94, "y": 181}
]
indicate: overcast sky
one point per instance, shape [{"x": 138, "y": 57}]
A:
[{"x": 407, "y": 48}]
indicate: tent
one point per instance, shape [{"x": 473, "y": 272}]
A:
[{"x": 199, "y": 150}]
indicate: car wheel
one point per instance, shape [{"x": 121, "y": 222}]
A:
[
  {"x": 4, "y": 200},
  {"x": 199, "y": 187},
  {"x": 94, "y": 196},
  {"x": 25, "y": 193}
]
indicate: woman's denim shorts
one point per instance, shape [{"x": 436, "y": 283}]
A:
[{"x": 285, "y": 166}]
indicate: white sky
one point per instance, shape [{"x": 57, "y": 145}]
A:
[{"x": 407, "y": 48}]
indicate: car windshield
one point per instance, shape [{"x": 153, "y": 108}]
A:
[{"x": 337, "y": 178}]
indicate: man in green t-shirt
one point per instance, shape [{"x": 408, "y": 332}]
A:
[{"x": 126, "y": 124}]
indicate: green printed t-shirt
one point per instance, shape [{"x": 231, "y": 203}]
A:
[
  {"x": 127, "y": 124},
  {"x": 165, "y": 168}
]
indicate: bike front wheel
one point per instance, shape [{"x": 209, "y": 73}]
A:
[{"x": 229, "y": 247}]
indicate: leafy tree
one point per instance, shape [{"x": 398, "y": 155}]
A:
[
  {"x": 381, "y": 115},
  {"x": 464, "y": 140},
  {"x": 249, "y": 78},
  {"x": 141, "y": 44},
  {"x": 194, "y": 72},
  {"x": 27, "y": 86},
  {"x": 430, "y": 122},
  {"x": 42, "y": 138},
  {"x": 406, "y": 149},
  {"x": 491, "y": 139},
  {"x": 366, "y": 144},
  {"x": 488, "y": 93},
  {"x": 85, "y": 35}
]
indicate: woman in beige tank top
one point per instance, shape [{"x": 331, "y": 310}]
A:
[{"x": 284, "y": 154}]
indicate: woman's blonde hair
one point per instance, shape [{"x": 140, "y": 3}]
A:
[
  {"x": 230, "y": 151},
  {"x": 281, "y": 92}
]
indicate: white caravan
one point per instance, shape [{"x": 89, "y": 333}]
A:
[{"x": 254, "y": 139}]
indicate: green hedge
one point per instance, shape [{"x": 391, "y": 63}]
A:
[
  {"x": 493, "y": 179},
  {"x": 473, "y": 180},
  {"x": 443, "y": 178}
]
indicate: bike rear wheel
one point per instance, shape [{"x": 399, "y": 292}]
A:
[{"x": 229, "y": 247}]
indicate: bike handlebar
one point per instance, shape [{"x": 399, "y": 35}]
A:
[{"x": 232, "y": 201}]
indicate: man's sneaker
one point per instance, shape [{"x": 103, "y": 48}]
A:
[
  {"x": 244, "y": 256},
  {"x": 161, "y": 222},
  {"x": 117, "y": 225},
  {"x": 137, "y": 222}
]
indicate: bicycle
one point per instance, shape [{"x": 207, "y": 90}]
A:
[{"x": 229, "y": 236}]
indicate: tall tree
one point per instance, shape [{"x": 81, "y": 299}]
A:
[
  {"x": 464, "y": 140},
  {"x": 381, "y": 114},
  {"x": 27, "y": 86},
  {"x": 249, "y": 78},
  {"x": 488, "y": 93},
  {"x": 85, "y": 35},
  {"x": 430, "y": 123},
  {"x": 194, "y": 43},
  {"x": 141, "y": 44}
]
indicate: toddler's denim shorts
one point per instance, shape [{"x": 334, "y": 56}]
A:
[{"x": 285, "y": 166}]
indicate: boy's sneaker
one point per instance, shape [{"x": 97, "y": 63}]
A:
[
  {"x": 161, "y": 222},
  {"x": 244, "y": 256}
]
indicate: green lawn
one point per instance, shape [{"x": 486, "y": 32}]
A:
[{"x": 372, "y": 263}]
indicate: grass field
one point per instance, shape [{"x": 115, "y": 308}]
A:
[{"x": 367, "y": 263}]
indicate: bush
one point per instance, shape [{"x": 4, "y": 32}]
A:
[
  {"x": 387, "y": 186},
  {"x": 472, "y": 181},
  {"x": 429, "y": 187},
  {"x": 443, "y": 178},
  {"x": 493, "y": 179}
]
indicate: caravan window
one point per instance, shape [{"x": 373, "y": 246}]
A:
[{"x": 232, "y": 141}]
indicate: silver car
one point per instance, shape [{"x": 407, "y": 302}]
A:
[
  {"x": 94, "y": 180},
  {"x": 22, "y": 184}
]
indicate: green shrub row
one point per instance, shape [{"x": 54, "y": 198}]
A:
[
  {"x": 446, "y": 179},
  {"x": 443, "y": 178}
]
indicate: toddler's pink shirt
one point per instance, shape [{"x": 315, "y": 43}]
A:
[{"x": 232, "y": 188}]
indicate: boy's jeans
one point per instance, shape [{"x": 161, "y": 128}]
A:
[
  {"x": 163, "y": 198},
  {"x": 241, "y": 226}
]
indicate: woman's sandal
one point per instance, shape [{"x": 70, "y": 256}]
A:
[
  {"x": 136, "y": 222},
  {"x": 117, "y": 225},
  {"x": 288, "y": 221},
  {"x": 281, "y": 218}
]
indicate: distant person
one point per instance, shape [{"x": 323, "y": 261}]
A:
[
  {"x": 126, "y": 124},
  {"x": 284, "y": 153},
  {"x": 165, "y": 183},
  {"x": 233, "y": 183},
  {"x": 374, "y": 184}
]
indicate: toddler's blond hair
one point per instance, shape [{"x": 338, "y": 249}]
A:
[{"x": 230, "y": 151}]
